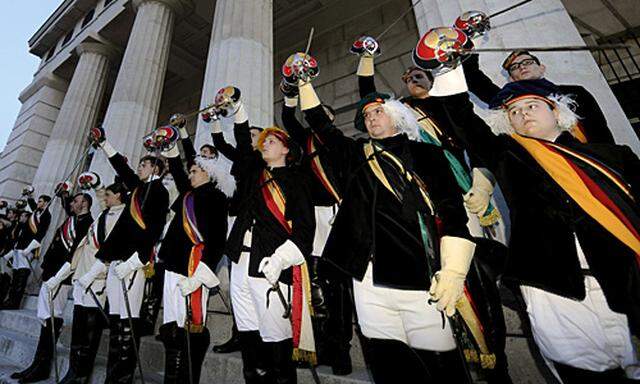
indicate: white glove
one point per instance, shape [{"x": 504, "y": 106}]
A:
[
  {"x": 447, "y": 286},
  {"x": 284, "y": 257},
  {"x": 365, "y": 66},
  {"x": 183, "y": 133},
  {"x": 202, "y": 276},
  {"x": 125, "y": 268},
  {"x": 108, "y": 149},
  {"x": 449, "y": 83},
  {"x": 478, "y": 198},
  {"x": 96, "y": 269},
  {"x": 216, "y": 127},
  {"x": 172, "y": 152},
  {"x": 33, "y": 245},
  {"x": 64, "y": 272},
  {"x": 308, "y": 97},
  {"x": 291, "y": 102},
  {"x": 241, "y": 113}
]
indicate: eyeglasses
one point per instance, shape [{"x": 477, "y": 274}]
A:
[{"x": 525, "y": 63}]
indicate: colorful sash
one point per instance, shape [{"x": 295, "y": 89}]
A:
[
  {"x": 607, "y": 198},
  {"x": 304, "y": 348},
  {"x": 68, "y": 232},
  {"x": 135, "y": 208},
  {"x": 578, "y": 132},
  {"x": 93, "y": 236},
  {"x": 428, "y": 134},
  {"x": 190, "y": 226},
  {"x": 34, "y": 221},
  {"x": 318, "y": 169}
]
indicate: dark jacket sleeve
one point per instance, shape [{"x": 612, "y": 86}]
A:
[
  {"x": 223, "y": 147},
  {"x": 32, "y": 203},
  {"x": 179, "y": 175},
  {"x": 65, "y": 202},
  {"x": 243, "y": 137},
  {"x": 128, "y": 176},
  {"x": 479, "y": 84},
  {"x": 472, "y": 130},
  {"x": 43, "y": 226},
  {"x": 214, "y": 229},
  {"x": 366, "y": 85},
  {"x": 297, "y": 132},
  {"x": 302, "y": 215},
  {"x": 188, "y": 148},
  {"x": 590, "y": 115}
]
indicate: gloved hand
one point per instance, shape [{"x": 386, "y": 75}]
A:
[
  {"x": 88, "y": 180},
  {"x": 283, "y": 257},
  {"x": 447, "y": 286},
  {"x": 365, "y": 46},
  {"x": 63, "y": 188},
  {"x": 299, "y": 67},
  {"x": 33, "y": 245},
  {"x": 202, "y": 276},
  {"x": 96, "y": 270},
  {"x": 178, "y": 120},
  {"x": 288, "y": 90},
  {"x": 478, "y": 198},
  {"x": 97, "y": 137},
  {"x": 473, "y": 23},
  {"x": 27, "y": 191},
  {"x": 171, "y": 152},
  {"x": 125, "y": 268},
  {"x": 227, "y": 100},
  {"x": 55, "y": 281}
]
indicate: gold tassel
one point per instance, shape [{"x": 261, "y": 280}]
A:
[
  {"x": 302, "y": 355},
  {"x": 149, "y": 270},
  {"x": 490, "y": 219}
]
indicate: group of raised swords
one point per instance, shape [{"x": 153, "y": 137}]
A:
[{"x": 396, "y": 232}]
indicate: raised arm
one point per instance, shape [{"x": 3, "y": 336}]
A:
[
  {"x": 291, "y": 123},
  {"x": 176, "y": 168},
  {"x": 479, "y": 83},
  {"x": 367, "y": 48}
]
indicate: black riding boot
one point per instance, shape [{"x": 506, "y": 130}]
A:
[
  {"x": 392, "y": 361},
  {"x": 340, "y": 320},
  {"x": 282, "y": 369},
  {"x": 199, "y": 345},
  {"x": 85, "y": 341},
  {"x": 572, "y": 375},
  {"x": 5, "y": 284},
  {"x": 443, "y": 366},
  {"x": 253, "y": 354},
  {"x": 40, "y": 368},
  {"x": 16, "y": 291},
  {"x": 114, "y": 345},
  {"x": 175, "y": 362},
  {"x": 123, "y": 370}
]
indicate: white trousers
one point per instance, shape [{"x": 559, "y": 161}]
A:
[
  {"x": 83, "y": 298},
  {"x": 324, "y": 215},
  {"x": 134, "y": 282},
  {"x": 403, "y": 315},
  {"x": 174, "y": 304},
  {"x": 249, "y": 301},
  {"x": 59, "y": 302}
]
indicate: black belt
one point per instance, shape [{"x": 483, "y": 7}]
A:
[
  {"x": 587, "y": 272},
  {"x": 245, "y": 249}
]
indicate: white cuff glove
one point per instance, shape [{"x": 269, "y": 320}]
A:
[
  {"x": 64, "y": 272},
  {"x": 96, "y": 270},
  {"x": 284, "y": 257},
  {"x": 449, "y": 83},
  {"x": 291, "y": 102},
  {"x": 183, "y": 133},
  {"x": 216, "y": 127},
  {"x": 125, "y": 268},
  {"x": 108, "y": 149},
  {"x": 202, "y": 276},
  {"x": 33, "y": 245},
  {"x": 365, "y": 66},
  {"x": 478, "y": 198},
  {"x": 173, "y": 152},
  {"x": 241, "y": 114},
  {"x": 308, "y": 97},
  {"x": 447, "y": 286}
]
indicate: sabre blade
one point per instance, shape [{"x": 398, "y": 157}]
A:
[
  {"x": 397, "y": 20},
  {"x": 603, "y": 47},
  {"x": 306, "y": 51},
  {"x": 514, "y": 6}
]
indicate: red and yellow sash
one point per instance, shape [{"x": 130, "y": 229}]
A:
[
  {"x": 578, "y": 132},
  {"x": 559, "y": 162},
  {"x": 318, "y": 169},
  {"x": 190, "y": 227},
  {"x": 135, "y": 208},
  {"x": 34, "y": 220},
  {"x": 301, "y": 308}
]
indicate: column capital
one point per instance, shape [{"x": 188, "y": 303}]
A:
[
  {"x": 107, "y": 50},
  {"x": 178, "y": 6}
]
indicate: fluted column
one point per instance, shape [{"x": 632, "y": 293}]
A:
[
  {"x": 241, "y": 54},
  {"x": 78, "y": 113},
  {"x": 134, "y": 104},
  {"x": 542, "y": 23}
]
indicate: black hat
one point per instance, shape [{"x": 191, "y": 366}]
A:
[
  {"x": 373, "y": 97},
  {"x": 516, "y": 90}
]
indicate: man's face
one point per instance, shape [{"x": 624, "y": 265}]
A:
[
  {"x": 534, "y": 118},
  {"x": 198, "y": 176},
  {"x": 207, "y": 153},
  {"x": 11, "y": 215},
  {"x": 145, "y": 169},
  {"x": 378, "y": 123},
  {"x": 255, "y": 133},
  {"x": 274, "y": 150},
  {"x": 418, "y": 84},
  {"x": 24, "y": 217},
  {"x": 525, "y": 67},
  {"x": 41, "y": 203},
  {"x": 112, "y": 199},
  {"x": 78, "y": 205}
]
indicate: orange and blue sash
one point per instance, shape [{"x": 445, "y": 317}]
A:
[
  {"x": 190, "y": 226},
  {"x": 135, "y": 208}
]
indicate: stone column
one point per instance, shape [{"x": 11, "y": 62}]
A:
[
  {"x": 541, "y": 23},
  {"x": 241, "y": 54},
  {"x": 134, "y": 104},
  {"x": 77, "y": 115},
  {"x": 41, "y": 102}
]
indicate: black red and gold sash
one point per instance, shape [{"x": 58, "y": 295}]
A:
[
  {"x": 135, "y": 208},
  {"x": 599, "y": 191},
  {"x": 190, "y": 226},
  {"x": 318, "y": 169},
  {"x": 301, "y": 308},
  {"x": 578, "y": 132}
]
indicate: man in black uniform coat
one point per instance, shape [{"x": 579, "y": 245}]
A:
[
  {"x": 191, "y": 249},
  {"x": 128, "y": 249},
  {"x": 6, "y": 244},
  {"x": 56, "y": 272},
  {"x": 575, "y": 222},
  {"x": 400, "y": 232}
]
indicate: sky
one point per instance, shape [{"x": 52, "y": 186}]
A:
[{"x": 21, "y": 19}]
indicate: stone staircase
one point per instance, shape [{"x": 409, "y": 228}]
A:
[{"x": 19, "y": 330}]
